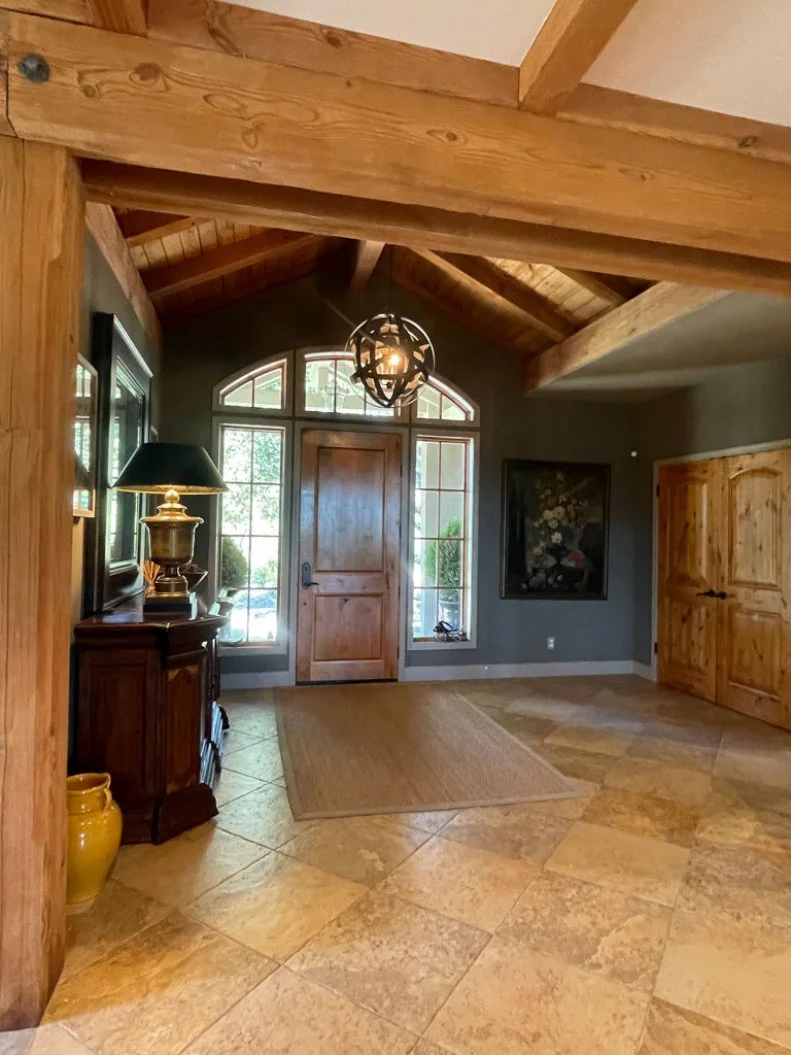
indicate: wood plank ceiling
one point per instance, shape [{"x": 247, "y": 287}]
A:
[{"x": 191, "y": 265}]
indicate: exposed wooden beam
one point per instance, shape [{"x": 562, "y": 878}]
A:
[
  {"x": 102, "y": 224},
  {"x": 141, "y": 100},
  {"x": 142, "y": 225},
  {"x": 573, "y": 35},
  {"x": 164, "y": 281},
  {"x": 5, "y": 124},
  {"x": 439, "y": 229},
  {"x": 656, "y": 307},
  {"x": 366, "y": 257},
  {"x": 485, "y": 277},
  {"x": 65, "y": 10},
  {"x": 608, "y": 108},
  {"x": 121, "y": 16},
  {"x": 270, "y": 37},
  {"x": 605, "y": 287},
  {"x": 41, "y": 256}
]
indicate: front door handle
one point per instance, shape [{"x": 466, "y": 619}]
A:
[
  {"x": 721, "y": 595},
  {"x": 706, "y": 593},
  {"x": 307, "y": 582}
]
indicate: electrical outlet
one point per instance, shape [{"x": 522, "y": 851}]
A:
[{"x": 550, "y": 643}]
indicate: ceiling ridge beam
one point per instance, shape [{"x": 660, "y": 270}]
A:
[
  {"x": 240, "y": 201},
  {"x": 492, "y": 280},
  {"x": 655, "y": 308},
  {"x": 173, "y": 278},
  {"x": 269, "y": 37},
  {"x": 591, "y": 104},
  {"x": 366, "y": 256},
  {"x": 232, "y": 117},
  {"x": 102, "y": 224},
  {"x": 572, "y": 37}
]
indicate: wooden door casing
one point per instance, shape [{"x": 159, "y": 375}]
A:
[
  {"x": 350, "y": 504},
  {"x": 754, "y": 637},
  {"x": 688, "y": 567}
]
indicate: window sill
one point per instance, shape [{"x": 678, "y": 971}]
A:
[
  {"x": 430, "y": 644},
  {"x": 253, "y": 649}
]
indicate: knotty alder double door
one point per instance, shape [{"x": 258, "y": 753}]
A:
[
  {"x": 725, "y": 581},
  {"x": 349, "y": 556}
]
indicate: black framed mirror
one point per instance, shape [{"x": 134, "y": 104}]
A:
[{"x": 114, "y": 552}]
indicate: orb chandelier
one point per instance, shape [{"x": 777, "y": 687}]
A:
[{"x": 393, "y": 357}]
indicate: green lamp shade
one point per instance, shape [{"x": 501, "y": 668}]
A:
[{"x": 155, "y": 468}]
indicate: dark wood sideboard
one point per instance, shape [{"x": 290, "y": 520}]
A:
[{"x": 147, "y": 715}]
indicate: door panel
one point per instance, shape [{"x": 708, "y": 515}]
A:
[
  {"x": 350, "y": 536},
  {"x": 689, "y": 500},
  {"x": 753, "y": 641}
]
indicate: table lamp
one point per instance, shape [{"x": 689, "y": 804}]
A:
[{"x": 170, "y": 469}]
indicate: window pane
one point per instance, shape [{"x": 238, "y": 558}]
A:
[
  {"x": 262, "y": 607},
  {"x": 264, "y": 561},
  {"x": 269, "y": 389},
  {"x": 236, "y": 509},
  {"x": 451, "y": 411},
  {"x": 237, "y": 447},
  {"x": 266, "y": 509},
  {"x": 320, "y": 386},
  {"x": 373, "y": 410},
  {"x": 350, "y": 398},
  {"x": 449, "y": 567},
  {"x": 427, "y": 463},
  {"x": 239, "y": 397},
  {"x": 428, "y": 402},
  {"x": 267, "y": 449},
  {"x": 425, "y": 563},
  {"x": 451, "y": 609},
  {"x": 426, "y": 514},
  {"x": 453, "y": 458},
  {"x": 234, "y": 562},
  {"x": 424, "y": 613},
  {"x": 451, "y": 513}
]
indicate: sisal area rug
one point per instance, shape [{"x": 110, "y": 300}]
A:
[{"x": 360, "y": 749}]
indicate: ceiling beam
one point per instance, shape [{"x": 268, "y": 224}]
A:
[
  {"x": 663, "y": 303},
  {"x": 608, "y": 108},
  {"x": 240, "y": 201},
  {"x": 366, "y": 257},
  {"x": 269, "y": 37},
  {"x": 66, "y": 10},
  {"x": 141, "y": 225},
  {"x": 572, "y": 37},
  {"x": 5, "y": 125},
  {"x": 121, "y": 16},
  {"x": 173, "y": 278},
  {"x": 135, "y": 99},
  {"x": 606, "y": 287},
  {"x": 488, "y": 279},
  {"x": 102, "y": 224}
]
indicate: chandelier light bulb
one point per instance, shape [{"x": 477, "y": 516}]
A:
[{"x": 393, "y": 358}]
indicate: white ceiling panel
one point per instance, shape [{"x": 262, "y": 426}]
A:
[
  {"x": 499, "y": 30},
  {"x": 733, "y": 56}
]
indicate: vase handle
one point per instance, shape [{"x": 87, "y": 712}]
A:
[{"x": 108, "y": 799}]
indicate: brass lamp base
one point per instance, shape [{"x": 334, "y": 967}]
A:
[{"x": 171, "y": 539}]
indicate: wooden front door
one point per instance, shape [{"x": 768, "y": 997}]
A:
[
  {"x": 689, "y": 501},
  {"x": 754, "y": 643},
  {"x": 350, "y": 500}
]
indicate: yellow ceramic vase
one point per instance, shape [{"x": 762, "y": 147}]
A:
[{"x": 94, "y": 835}]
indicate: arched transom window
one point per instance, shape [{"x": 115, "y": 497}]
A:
[{"x": 252, "y": 536}]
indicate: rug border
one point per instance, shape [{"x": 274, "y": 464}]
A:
[{"x": 578, "y": 791}]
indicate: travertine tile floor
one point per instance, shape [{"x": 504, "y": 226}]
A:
[{"x": 651, "y": 915}]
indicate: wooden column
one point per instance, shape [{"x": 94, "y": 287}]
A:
[{"x": 41, "y": 249}]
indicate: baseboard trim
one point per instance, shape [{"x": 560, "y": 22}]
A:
[
  {"x": 644, "y": 670},
  {"x": 256, "y": 680},
  {"x": 519, "y": 670}
]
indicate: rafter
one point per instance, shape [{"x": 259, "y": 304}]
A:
[
  {"x": 135, "y": 99},
  {"x": 366, "y": 257},
  {"x": 573, "y": 35},
  {"x": 439, "y": 229},
  {"x": 606, "y": 287},
  {"x": 488, "y": 279},
  {"x": 141, "y": 225},
  {"x": 663, "y": 303},
  {"x": 103, "y": 225},
  {"x": 164, "y": 281},
  {"x": 608, "y": 108}
]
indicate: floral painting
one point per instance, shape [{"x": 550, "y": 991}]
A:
[{"x": 555, "y": 530}]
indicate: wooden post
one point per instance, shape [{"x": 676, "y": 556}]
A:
[{"x": 41, "y": 249}]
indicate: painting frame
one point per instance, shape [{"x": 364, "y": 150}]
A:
[{"x": 582, "y": 572}]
